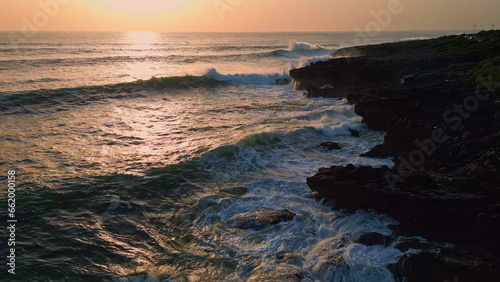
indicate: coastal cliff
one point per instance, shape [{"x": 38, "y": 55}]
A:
[{"x": 437, "y": 101}]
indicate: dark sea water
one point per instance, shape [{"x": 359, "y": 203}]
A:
[{"x": 127, "y": 180}]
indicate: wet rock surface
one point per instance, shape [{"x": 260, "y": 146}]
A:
[
  {"x": 374, "y": 238},
  {"x": 354, "y": 133},
  {"x": 446, "y": 265},
  {"x": 330, "y": 146},
  {"x": 260, "y": 219},
  {"x": 443, "y": 131}
]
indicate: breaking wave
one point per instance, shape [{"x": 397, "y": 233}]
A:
[
  {"x": 301, "y": 49},
  {"x": 250, "y": 79}
]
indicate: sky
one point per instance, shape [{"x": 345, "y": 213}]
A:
[{"x": 247, "y": 15}]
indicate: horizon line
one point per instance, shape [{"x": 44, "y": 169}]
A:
[{"x": 304, "y": 31}]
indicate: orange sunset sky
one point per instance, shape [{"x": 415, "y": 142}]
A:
[{"x": 243, "y": 15}]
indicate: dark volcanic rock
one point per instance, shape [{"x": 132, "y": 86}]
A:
[
  {"x": 428, "y": 205},
  {"x": 447, "y": 265},
  {"x": 374, "y": 238},
  {"x": 331, "y": 145},
  {"x": 260, "y": 219},
  {"x": 354, "y": 133},
  {"x": 408, "y": 243},
  {"x": 384, "y": 151},
  {"x": 443, "y": 130},
  {"x": 327, "y": 91}
]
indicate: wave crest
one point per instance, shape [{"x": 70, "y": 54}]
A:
[
  {"x": 301, "y": 49},
  {"x": 303, "y": 46},
  {"x": 250, "y": 78}
]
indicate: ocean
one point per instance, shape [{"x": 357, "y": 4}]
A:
[{"x": 134, "y": 152}]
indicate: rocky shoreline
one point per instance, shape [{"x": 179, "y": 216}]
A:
[{"x": 437, "y": 101}]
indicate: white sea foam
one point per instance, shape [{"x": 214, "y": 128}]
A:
[
  {"x": 303, "y": 46},
  {"x": 318, "y": 243},
  {"x": 303, "y": 49},
  {"x": 249, "y": 78}
]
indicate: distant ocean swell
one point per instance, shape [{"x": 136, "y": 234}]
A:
[
  {"x": 211, "y": 78},
  {"x": 289, "y": 53}
]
